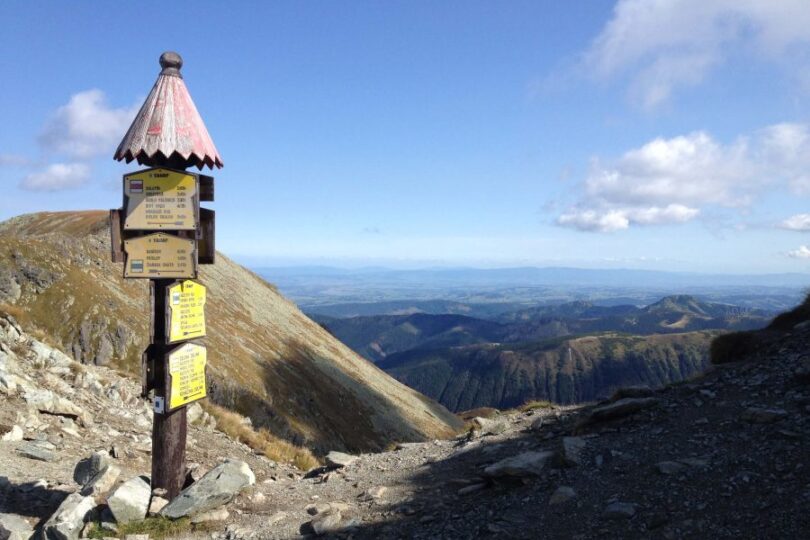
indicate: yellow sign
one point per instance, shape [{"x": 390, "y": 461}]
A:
[
  {"x": 186, "y": 311},
  {"x": 187, "y": 373},
  {"x": 159, "y": 199},
  {"x": 160, "y": 255}
]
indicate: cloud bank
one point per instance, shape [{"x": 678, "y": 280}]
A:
[
  {"x": 673, "y": 180},
  {"x": 664, "y": 45}
]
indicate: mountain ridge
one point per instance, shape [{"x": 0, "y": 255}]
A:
[{"x": 267, "y": 359}]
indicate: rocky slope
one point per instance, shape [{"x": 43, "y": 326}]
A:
[
  {"x": 267, "y": 360},
  {"x": 723, "y": 455},
  {"x": 561, "y": 370}
]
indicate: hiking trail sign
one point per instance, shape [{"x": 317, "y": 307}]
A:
[
  {"x": 161, "y": 199},
  {"x": 185, "y": 304},
  {"x": 159, "y": 256},
  {"x": 186, "y": 375}
]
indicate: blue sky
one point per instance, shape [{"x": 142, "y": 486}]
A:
[{"x": 664, "y": 134}]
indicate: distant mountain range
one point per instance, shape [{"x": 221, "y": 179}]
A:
[
  {"x": 377, "y": 337},
  {"x": 567, "y": 353}
]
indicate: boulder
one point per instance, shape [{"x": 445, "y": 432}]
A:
[
  {"x": 90, "y": 466},
  {"x": 758, "y": 415},
  {"x": 525, "y": 464},
  {"x": 11, "y": 433},
  {"x": 489, "y": 426},
  {"x": 562, "y": 495},
  {"x": 35, "y": 451},
  {"x": 570, "y": 452},
  {"x": 619, "y": 510},
  {"x": 47, "y": 401},
  {"x": 68, "y": 520},
  {"x": 14, "y": 527},
  {"x": 130, "y": 501},
  {"x": 102, "y": 482},
  {"x": 219, "y": 486},
  {"x": 621, "y": 408},
  {"x": 339, "y": 459}
]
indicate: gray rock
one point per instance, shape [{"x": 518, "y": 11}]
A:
[
  {"x": 102, "y": 482},
  {"x": 35, "y": 451},
  {"x": 562, "y": 495},
  {"x": 47, "y": 401},
  {"x": 157, "y": 504},
  {"x": 130, "y": 501},
  {"x": 194, "y": 413},
  {"x": 218, "y": 514},
  {"x": 489, "y": 426},
  {"x": 14, "y": 527},
  {"x": 758, "y": 415},
  {"x": 339, "y": 459},
  {"x": 11, "y": 433},
  {"x": 326, "y": 523},
  {"x": 219, "y": 486},
  {"x": 570, "y": 453},
  {"x": 90, "y": 466},
  {"x": 619, "y": 510},
  {"x": 68, "y": 520},
  {"x": 670, "y": 467},
  {"x": 621, "y": 408},
  {"x": 525, "y": 464},
  {"x": 375, "y": 493}
]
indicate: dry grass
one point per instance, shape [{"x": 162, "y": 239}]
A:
[
  {"x": 156, "y": 527},
  {"x": 535, "y": 404},
  {"x": 233, "y": 425}
]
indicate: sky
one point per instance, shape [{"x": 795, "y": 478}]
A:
[{"x": 657, "y": 134}]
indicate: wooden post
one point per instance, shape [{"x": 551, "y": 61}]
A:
[{"x": 169, "y": 429}]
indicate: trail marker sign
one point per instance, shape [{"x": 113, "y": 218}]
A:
[
  {"x": 161, "y": 199},
  {"x": 185, "y": 311},
  {"x": 185, "y": 375},
  {"x": 159, "y": 256}
]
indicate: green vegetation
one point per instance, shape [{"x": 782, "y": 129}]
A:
[
  {"x": 535, "y": 404},
  {"x": 157, "y": 528}
]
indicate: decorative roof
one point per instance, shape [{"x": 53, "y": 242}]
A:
[{"x": 168, "y": 130}]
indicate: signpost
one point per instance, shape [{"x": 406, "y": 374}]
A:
[
  {"x": 162, "y": 234},
  {"x": 186, "y": 311}
]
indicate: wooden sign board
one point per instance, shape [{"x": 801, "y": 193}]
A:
[
  {"x": 160, "y": 255},
  {"x": 185, "y": 375},
  {"x": 185, "y": 311},
  {"x": 161, "y": 199}
]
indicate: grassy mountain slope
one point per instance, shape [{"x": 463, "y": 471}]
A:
[
  {"x": 561, "y": 370},
  {"x": 377, "y": 337},
  {"x": 267, "y": 360}
]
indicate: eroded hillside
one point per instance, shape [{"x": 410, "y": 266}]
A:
[{"x": 267, "y": 359}]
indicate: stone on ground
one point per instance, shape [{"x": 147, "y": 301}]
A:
[
  {"x": 339, "y": 459},
  {"x": 525, "y": 464},
  {"x": 130, "y": 501},
  {"x": 35, "y": 451},
  {"x": 570, "y": 452},
  {"x": 218, "y": 514},
  {"x": 13, "y": 527},
  {"x": 619, "y": 510},
  {"x": 758, "y": 415},
  {"x": 102, "y": 482},
  {"x": 68, "y": 520},
  {"x": 90, "y": 466},
  {"x": 621, "y": 408},
  {"x": 562, "y": 495},
  {"x": 219, "y": 486}
]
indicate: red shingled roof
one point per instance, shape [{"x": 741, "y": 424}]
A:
[{"x": 169, "y": 125}]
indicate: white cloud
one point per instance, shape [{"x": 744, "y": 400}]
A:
[
  {"x": 87, "y": 126},
  {"x": 667, "y": 44},
  {"x": 57, "y": 176},
  {"x": 799, "y": 222},
  {"x": 13, "y": 160},
  {"x": 611, "y": 220},
  {"x": 802, "y": 253},
  {"x": 672, "y": 180}
]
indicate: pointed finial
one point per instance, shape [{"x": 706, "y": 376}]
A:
[{"x": 171, "y": 62}]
